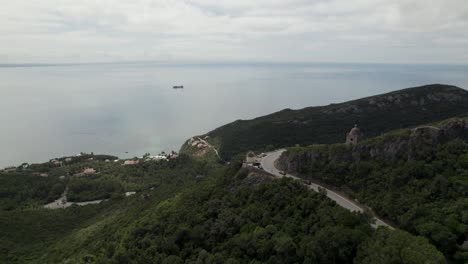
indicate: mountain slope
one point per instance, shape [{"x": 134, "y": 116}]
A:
[
  {"x": 329, "y": 124},
  {"x": 198, "y": 213},
  {"x": 417, "y": 178},
  {"x": 227, "y": 218}
]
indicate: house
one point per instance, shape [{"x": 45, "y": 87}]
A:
[
  {"x": 88, "y": 171},
  {"x": 157, "y": 157},
  {"x": 131, "y": 162},
  {"x": 68, "y": 159}
]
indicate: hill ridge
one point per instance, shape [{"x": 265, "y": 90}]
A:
[{"x": 330, "y": 123}]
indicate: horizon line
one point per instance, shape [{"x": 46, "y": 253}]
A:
[{"x": 220, "y": 62}]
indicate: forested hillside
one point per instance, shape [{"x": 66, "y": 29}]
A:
[
  {"x": 329, "y": 124},
  {"x": 417, "y": 178},
  {"x": 27, "y": 229},
  {"x": 233, "y": 215}
]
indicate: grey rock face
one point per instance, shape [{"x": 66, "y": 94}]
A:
[{"x": 417, "y": 143}]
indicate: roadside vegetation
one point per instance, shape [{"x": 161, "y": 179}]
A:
[{"x": 426, "y": 196}]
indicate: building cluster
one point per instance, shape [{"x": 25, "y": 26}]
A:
[
  {"x": 160, "y": 157},
  {"x": 86, "y": 172},
  {"x": 199, "y": 142},
  {"x": 163, "y": 156}
]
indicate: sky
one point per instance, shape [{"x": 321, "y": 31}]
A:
[{"x": 368, "y": 31}]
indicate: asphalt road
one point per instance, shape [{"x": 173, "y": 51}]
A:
[{"x": 268, "y": 164}]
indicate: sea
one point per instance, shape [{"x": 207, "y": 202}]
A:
[{"x": 129, "y": 109}]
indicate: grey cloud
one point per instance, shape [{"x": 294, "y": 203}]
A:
[{"x": 176, "y": 30}]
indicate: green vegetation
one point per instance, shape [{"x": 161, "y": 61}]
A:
[
  {"x": 114, "y": 179},
  {"x": 329, "y": 124},
  {"x": 25, "y": 188},
  {"x": 387, "y": 247},
  {"x": 26, "y": 234},
  {"x": 93, "y": 188},
  {"x": 426, "y": 197},
  {"x": 219, "y": 219},
  {"x": 36, "y": 235},
  {"x": 277, "y": 222},
  {"x": 22, "y": 190}
]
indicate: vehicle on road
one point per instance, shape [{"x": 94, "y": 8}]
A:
[{"x": 282, "y": 173}]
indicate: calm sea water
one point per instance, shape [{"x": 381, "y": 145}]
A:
[{"x": 53, "y": 111}]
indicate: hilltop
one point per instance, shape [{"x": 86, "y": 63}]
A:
[{"x": 329, "y": 124}]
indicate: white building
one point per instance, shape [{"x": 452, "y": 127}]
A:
[{"x": 157, "y": 157}]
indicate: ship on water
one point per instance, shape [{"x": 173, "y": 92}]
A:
[{"x": 178, "y": 87}]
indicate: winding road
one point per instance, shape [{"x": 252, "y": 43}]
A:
[
  {"x": 63, "y": 202},
  {"x": 268, "y": 164}
]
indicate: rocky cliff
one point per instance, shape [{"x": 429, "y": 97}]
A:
[{"x": 406, "y": 144}]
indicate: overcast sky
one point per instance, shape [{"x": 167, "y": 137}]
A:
[{"x": 396, "y": 31}]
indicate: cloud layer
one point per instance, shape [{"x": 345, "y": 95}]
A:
[{"x": 399, "y": 31}]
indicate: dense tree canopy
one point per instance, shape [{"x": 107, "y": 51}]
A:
[
  {"x": 426, "y": 197},
  {"x": 389, "y": 247},
  {"x": 191, "y": 211}
]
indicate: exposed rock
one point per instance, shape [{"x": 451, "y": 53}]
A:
[
  {"x": 256, "y": 177},
  {"x": 421, "y": 140},
  {"x": 413, "y": 144}
]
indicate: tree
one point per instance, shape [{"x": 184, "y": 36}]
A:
[{"x": 394, "y": 247}]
